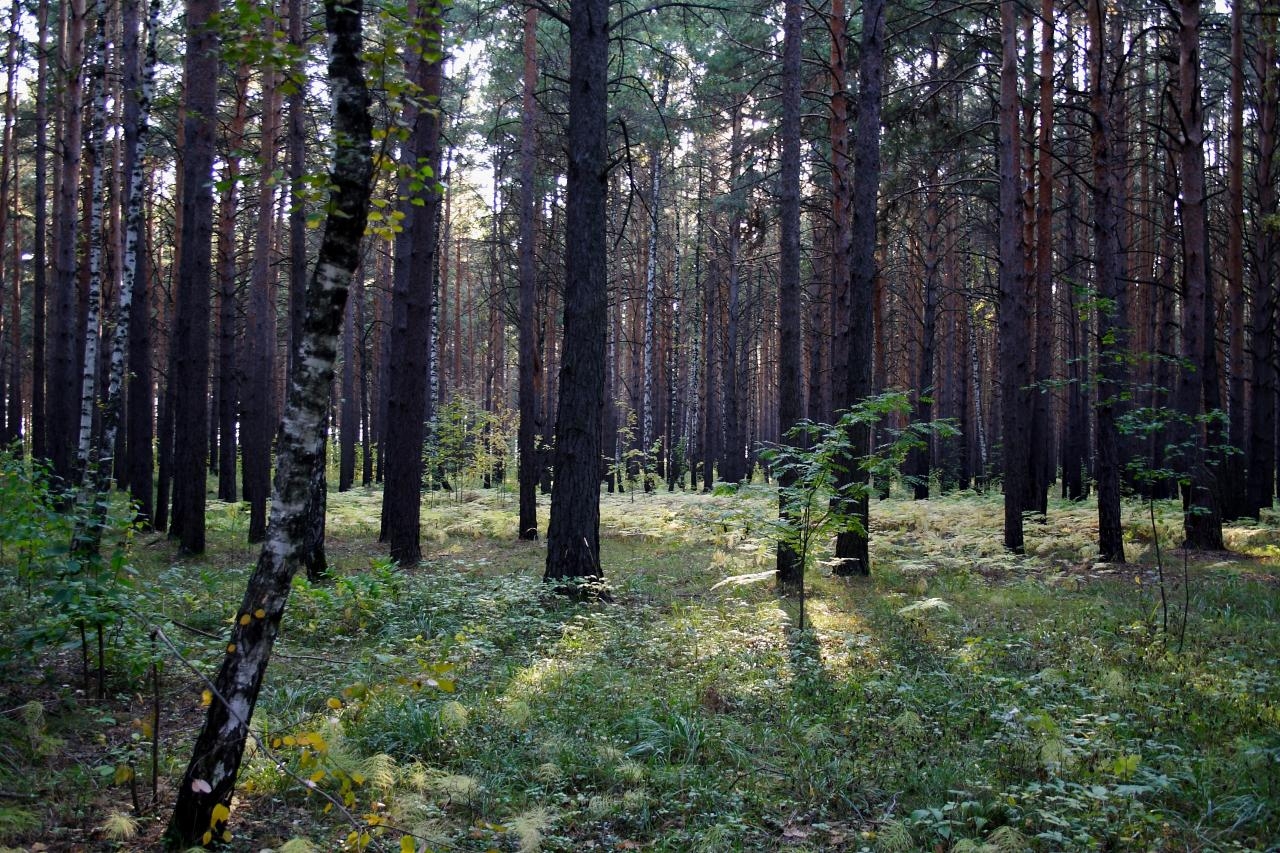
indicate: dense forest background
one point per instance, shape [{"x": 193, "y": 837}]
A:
[{"x": 813, "y": 254}]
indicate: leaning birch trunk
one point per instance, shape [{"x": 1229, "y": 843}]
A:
[{"x": 205, "y": 793}]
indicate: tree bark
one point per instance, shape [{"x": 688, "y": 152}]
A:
[
  {"x": 348, "y": 426},
  {"x": 39, "y": 424},
  {"x": 1262, "y": 409},
  {"x": 93, "y": 313},
  {"x": 1202, "y": 522},
  {"x": 1106, "y": 45},
  {"x": 210, "y": 777},
  {"x": 530, "y": 367},
  {"x": 1015, "y": 367},
  {"x": 856, "y": 329},
  {"x": 61, "y": 413},
  {"x": 140, "y": 399},
  {"x": 790, "y": 563},
  {"x": 410, "y": 309},
  {"x": 573, "y": 537},
  {"x": 1236, "y": 500},
  {"x": 228, "y": 309},
  {"x": 190, "y": 382},
  {"x": 1042, "y": 415},
  {"x": 257, "y": 424}
]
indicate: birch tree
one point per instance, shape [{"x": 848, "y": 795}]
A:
[{"x": 204, "y": 797}]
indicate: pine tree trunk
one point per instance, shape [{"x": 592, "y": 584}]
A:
[
  {"x": 1203, "y": 520},
  {"x": 190, "y": 381},
  {"x": 140, "y": 398},
  {"x": 1106, "y": 42},
  {"x": 649, "y": 398},
  {"x": 857, "y": 327},
  {"x": 257, "y": 424},
  {"x": 228, "y": 309},
  {"x": 210, "y": 777},
  {"x": 1015, "y": 367},
  {"x": 711, "y": 366},
  {"x": 415, "y": 264},
  {"x": 1262, "y": 409},
  {"x": 573, "y": 536},
  {"x": 530, "y": 361},
  {"x": 1042, "y": 416},
  {"x": 348, "y": 426},
  {"x": 918, "y": 463},
  {"x": 39, "y": 424},
  {"x": 790, "y": 564},
  {"x": 1235, "y": 499},
  {"x": 362, "y": 333},
  {"x": 731, "y": 463},
  {"x": 61, "y": 411},
  {"x": 841, "y": 201}
]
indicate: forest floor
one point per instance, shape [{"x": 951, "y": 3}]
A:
[{"x": 960, "y": 698}]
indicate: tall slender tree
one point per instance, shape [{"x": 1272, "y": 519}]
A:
[
  {"x": 415, "y": 267},
  {"x": 190, "y": 345},
  {"x": 573, "y": 537},
  {"x": 1198, "y": 381},
  {"x": 855, "y": 330},
  {"x": 1106, "y": 57},
  {"x": 530, "y": 367},
  {"x": 1015, "y": 354},
  {"x": 204, "y": 797},
  {"x": 790, "y": 394}
]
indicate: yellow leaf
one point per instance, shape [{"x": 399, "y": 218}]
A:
[
  {"x": 290, "y": 741},
  {"x": 146, "y": 729},
  {"x": 206, "y": 838},
  {"x": 317, "y": 776},
  {"x": 245, "y": 620},
  {"x": 328, "y": 807},
  {"x": 231, "y": 648},
  {"x": 206, "y": 698},
  {"x": 407, "y": 845},
  {"x": 220, "y": 814},
  {"x": 445, "y": 684},
  {"x": 259, "y": 614},
  {"x": 358, "y": 778},
  {"x": 226, "y": 836},
  {"x": 123, "y": 774},
  {"x": 335, "y": 704}
]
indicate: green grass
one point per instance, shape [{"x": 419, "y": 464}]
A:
[{"x": 960, "y": 697}]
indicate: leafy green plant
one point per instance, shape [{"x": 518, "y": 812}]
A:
[{"x": 820, "y": 493}]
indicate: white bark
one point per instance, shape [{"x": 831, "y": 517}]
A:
[{"x": 97, "y": 134}]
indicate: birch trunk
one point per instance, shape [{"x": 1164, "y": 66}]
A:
[
  {"x": 93, "y": 315},
  {"x": 209, "y": 781}
]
